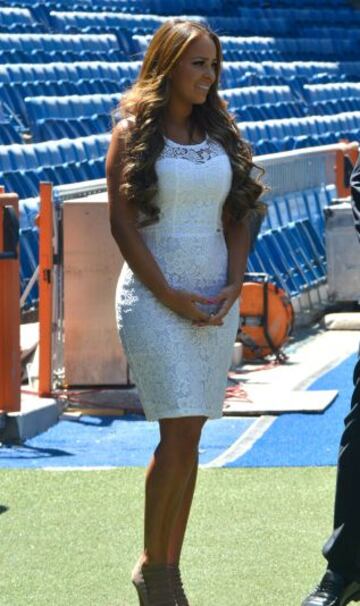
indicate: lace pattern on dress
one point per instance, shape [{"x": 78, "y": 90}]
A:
[
  {"x": 198, "y": 153},
  {"x": 180, "y": 369}
]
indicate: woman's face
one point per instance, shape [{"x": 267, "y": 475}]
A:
[{"x": 195, "y": 71}]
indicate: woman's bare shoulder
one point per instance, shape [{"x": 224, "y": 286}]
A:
[
  {"x": 120, "y": 137},
  {"x": 118, "y": 144},
  {"x": 124, "y": 126}
]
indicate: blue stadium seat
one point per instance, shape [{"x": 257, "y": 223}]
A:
[
  {"x": 274, "y": 263},
  {"x": 9, "y": 134},
  {"x": 314, "y": 211},
  {"x": 286, "y": 260},
  {"x": 291, "y": 251},
  {"x": 14, "y": 19},
  {"x": 307, "y": 275},
  {"x": 313, "y": 244},
  {"x": 23, "y": 183},
  {"x": 331, "y": 91},
  {"x": 29, "y": 247},
  {"x": 25, "y": 165},
  {"x": 73, "y": 115},
  {"x": 49, "y": 153},
  {"x": 28, "y": 211},
  {"x": 28, "y": 240},
  {"x": 104, "y": 21},
  {"x": 272, "y": 218},
  {"x": 5, "y": 160},
  {"x": 35, "y": 48},
  {"x": 283, "y": 210}
]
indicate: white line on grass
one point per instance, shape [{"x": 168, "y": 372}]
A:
[
  {"x": 243, "y": 443},
  {"x": 81, "y": 468}
]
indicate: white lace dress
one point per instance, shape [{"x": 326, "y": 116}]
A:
[{"x": 179, "y": 369}]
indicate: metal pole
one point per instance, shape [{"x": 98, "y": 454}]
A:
[{"x": 45, "y": 289}]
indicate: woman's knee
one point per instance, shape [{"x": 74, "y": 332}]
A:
[{"x": 182, "y": 435}]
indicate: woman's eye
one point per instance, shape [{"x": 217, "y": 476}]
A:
[{"x": 214, "y": 65}]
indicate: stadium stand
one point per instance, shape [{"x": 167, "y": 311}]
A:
[
  {"x": 62, "y": 161},
  {"x": 291, "y": 78},
  {"x": 82, "y": 20},
  {"x": 8, "y": 132},
  {"x": 14, "y": 19},
  {"x": 43, "y": 48},
  {"x": 18, "y": 81},
  {"x": 70, "y": 116}
]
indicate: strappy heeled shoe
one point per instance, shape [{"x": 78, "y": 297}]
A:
[
  {"x": 152, "y": 583},
  {"x": 177, "y": 585}
]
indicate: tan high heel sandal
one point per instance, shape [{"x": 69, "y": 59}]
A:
[
  {"x": 152, "y": 584},
  {"x": 177, "y": 585}
]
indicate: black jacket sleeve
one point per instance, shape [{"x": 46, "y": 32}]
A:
[{"x": 355, "y": 195}]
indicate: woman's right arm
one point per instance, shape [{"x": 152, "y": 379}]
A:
[
  {"x": 123, "y": 219},
  {"x": 133, "y": 248}
]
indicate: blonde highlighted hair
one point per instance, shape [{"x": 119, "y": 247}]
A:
[{"x": 145, "y": 103}]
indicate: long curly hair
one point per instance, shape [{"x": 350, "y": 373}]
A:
[{"x": 145, "y": 102}]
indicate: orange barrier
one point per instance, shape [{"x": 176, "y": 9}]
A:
[
  {"x": 45, "y": 223},
  {"x": 10, "y": 364},
  {"x": 346, "y": 158}
]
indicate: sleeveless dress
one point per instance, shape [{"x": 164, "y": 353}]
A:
[{"x": 180, "y": 369}]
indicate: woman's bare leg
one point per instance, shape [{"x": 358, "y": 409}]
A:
[
  {"x": 167, "y": 477},
  {"x": 180, "y": 523}
]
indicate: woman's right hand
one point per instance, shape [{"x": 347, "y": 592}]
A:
[{"x": 183, "y": 303}]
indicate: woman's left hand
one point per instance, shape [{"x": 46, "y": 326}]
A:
[{"x": 227, "y": 297}]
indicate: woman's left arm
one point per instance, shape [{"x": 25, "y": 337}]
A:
[{"x": 237, "y": 239}]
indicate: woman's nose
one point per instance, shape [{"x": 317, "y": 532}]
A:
[{"x": 210, "y": 75}]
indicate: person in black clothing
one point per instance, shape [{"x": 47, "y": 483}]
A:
[{"x": 340, "y": 584}]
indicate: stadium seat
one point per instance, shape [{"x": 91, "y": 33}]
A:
[
  {"x": 66, "y": 161},
  {"x": 9, "y": 134},
  {"x": 14, "y": 19}
]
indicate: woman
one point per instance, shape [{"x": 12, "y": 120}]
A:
[{"x": 179, "y": 190}]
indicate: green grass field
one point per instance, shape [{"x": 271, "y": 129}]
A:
[{"x": 254, "y": 538}]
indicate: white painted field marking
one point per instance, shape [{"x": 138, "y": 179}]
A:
[
  {"x": 82, "y": 468},
  {"x": 243, "y": 443}
]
